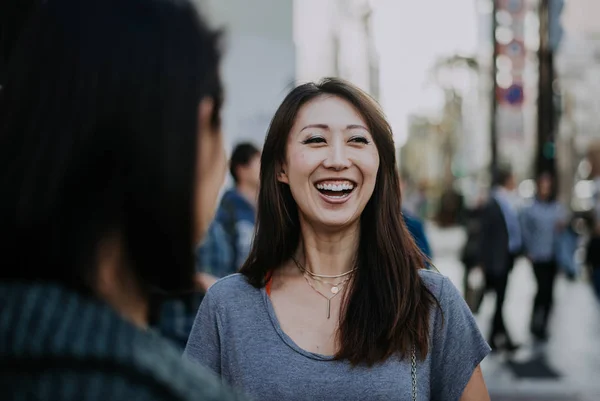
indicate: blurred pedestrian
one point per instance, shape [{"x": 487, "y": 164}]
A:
[
  {"x": 593, "y": 246},
  {"x": 111, "y": 160},
  {"x": 416, "y": 228},
  {"x": 541, "y": 223},
  {"x": 226, "y": 245},
  {"x": 230, "y": 237},
  {"x": 500, "y": 243},
  {"x": 593, "y": 260},
  {"x": 334, "y": 301},
  {"x": 473, "y": 277}
]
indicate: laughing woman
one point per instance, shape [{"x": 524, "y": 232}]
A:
[{"x": 333, "y": 302}]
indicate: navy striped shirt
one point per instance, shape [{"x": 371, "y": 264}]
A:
[{"x": 58, "y": 345}]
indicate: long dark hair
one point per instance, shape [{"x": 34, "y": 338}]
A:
[
  {"x": 387, "y": 308},
  {"x": 98, "y": 137},
  {"x": 13, "y": 17}
]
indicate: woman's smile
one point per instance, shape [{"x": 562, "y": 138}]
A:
[{"x": 335, "y": 191}]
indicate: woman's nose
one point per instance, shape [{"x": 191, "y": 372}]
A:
[{"x": 337, "y": 157}]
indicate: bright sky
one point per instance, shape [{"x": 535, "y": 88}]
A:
[{"x": 411, "y": 35}]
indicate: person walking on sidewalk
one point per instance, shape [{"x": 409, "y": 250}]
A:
[
  {"x": 593, "y": 259},
  {"x": 541, "y": 223},
  {"x": 593, "y": 245},
  {"x": 500, "y": 243}
]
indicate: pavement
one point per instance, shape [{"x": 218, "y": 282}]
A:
[{"x": 567, "y": 366}]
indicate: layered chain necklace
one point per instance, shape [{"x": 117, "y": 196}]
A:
[{"x": 335, "y": 287}]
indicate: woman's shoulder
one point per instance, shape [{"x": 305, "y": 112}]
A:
[
  {"x": 453, "y": 319},
  {"x": 433, "y": 280},
  {"x": 233, "y": 284},
  {"x": 445, "y": 292}
]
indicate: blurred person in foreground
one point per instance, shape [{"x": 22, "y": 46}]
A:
[
  {"x": 225, "y": 246},
  {"x": 111, "y": 160},
  {"x": 542, "y": 222},
  {"x": 500, "y": 243},
  {"x": 333, "y": 302}
]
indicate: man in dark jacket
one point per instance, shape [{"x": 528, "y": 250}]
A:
[{"x": 500, "y": 242}]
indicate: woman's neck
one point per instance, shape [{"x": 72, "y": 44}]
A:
[{"x": 329, "y": 253}]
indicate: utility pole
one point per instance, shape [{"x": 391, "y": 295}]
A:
[
  {"x": 494, "y": 102},
  {"x": 551, "y": 33},
  {"x": 546, "y": 121}
]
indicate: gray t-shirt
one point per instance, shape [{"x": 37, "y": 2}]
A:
[{"x": 237, "y": 334}]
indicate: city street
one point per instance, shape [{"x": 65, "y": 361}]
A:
[{"x": 567, "y": 367}]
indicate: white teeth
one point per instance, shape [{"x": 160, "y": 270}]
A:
[{"x": 336, "y": 187}]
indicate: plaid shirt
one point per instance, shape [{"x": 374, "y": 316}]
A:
[
  {"x": 58, "y": 345},
  {"x": 222, "y": 253}
]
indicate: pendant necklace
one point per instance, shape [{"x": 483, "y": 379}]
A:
[{"x": 335, "y": 289}]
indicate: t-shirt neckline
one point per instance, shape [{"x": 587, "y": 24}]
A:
[{"x": 284, "y": 337}]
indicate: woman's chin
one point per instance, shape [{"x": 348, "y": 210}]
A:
[{"x": 336, "y": 223}]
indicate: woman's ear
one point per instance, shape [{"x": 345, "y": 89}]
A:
[{"x": 282, "y": 175}]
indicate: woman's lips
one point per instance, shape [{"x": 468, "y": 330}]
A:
[{"x": 335, "y": 199}]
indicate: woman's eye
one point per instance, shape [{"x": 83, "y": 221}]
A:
[
  {"x": 314, "y": 139},
  {"x": 360, "y": 139}
]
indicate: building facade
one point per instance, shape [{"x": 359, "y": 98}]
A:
[
  {"x": 259, "y": 64},
  {"x": 335, "y": 38}
]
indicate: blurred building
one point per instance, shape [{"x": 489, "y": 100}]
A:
[
  {"x": 578, "y": 64},
  {"x": 450, "y": 149},
  {"x": 421, "y": 156},
  {"x": 431, "y": 73},
  {"x": 259, "y": 65},
  {"x": 335, "y": 38},
  {"x": 578, "y": 72}
]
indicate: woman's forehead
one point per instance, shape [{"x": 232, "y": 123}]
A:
[{"x": 331, "y": 111}]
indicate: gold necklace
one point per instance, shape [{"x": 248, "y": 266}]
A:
[
  {"x": 321, "y": 275},
  {"x": 324, "y": 296},
  {"x": 336, "y": 289}
]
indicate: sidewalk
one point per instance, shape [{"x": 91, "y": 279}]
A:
[{"x": 573, "y": 352}]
